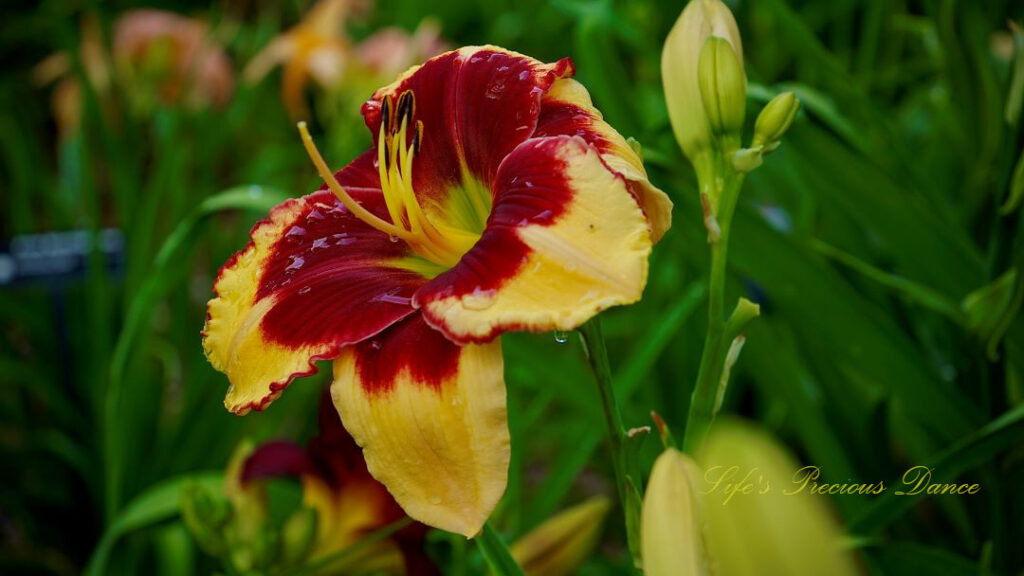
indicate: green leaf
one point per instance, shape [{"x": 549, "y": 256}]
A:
[{"x": 975, "y": 450}]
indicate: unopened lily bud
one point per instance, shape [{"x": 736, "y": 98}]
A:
[
  {"x": 205, "y": 517},
  {"x": 680, "y": 60},
  {"x": 560, "y": 545},
  {"x": 671, "y": 536},
  {"x": 773, "y": 122},
  {"x": 723, "y": 90},
  {"x": 298, "y": 535},
  {"x": 768, "y": 521}
]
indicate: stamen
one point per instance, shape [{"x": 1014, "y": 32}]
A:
[
  {"x": 396, "y": 151},
  {"x": 354, "y": 207}
]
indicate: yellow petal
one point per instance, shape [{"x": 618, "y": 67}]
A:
[
  {"x": 560, "y": 545},
  {"x": 568, "y": 109},
  {"x": 430, "y": 417},
  {"x": 565, "y": 240}
]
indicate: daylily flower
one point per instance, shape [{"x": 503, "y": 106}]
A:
[
  {"x": 163, "y": 57},
  {"x": 389, "y": 51},
  {"x": 494, "y": 198},
  {"x": 317, "y": 48},
  {"x": 349, "y": 503}
]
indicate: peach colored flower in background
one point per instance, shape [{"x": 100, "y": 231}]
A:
[
  {"x": 171, "y": 58},
  {"x": 158, "y": 58}
]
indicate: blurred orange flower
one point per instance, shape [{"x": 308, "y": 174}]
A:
[{"x": 319, "y": 49}]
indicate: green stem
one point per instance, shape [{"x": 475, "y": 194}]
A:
[
  {"x": 629, "y": 495},
  {"x": 496, "y": 553},
  {"x": 702, "y": 402}
]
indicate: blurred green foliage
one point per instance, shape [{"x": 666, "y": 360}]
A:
[{"x": 860, "y": 238}]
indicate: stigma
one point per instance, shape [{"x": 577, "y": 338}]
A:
[{"x": 398, "y": 144}]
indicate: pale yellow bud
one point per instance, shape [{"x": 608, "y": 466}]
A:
[
  {"x": 723, "y": 91},
  {"x": 671, "y": 525},
  {"x": 758, "y": 520},
  {"x": 560, "y": 545},
  {"x": 680, "y": 61},
  {"x": 773, "y": 122}
]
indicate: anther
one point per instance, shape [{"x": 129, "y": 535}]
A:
[
  {"x": 417, "y": 137},
  {"x": 406, "y": 107},
  {"x": 385, "y": 114}
]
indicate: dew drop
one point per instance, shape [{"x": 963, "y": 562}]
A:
[
  {"x": 314, "y": 215},
  {"x": 319, "y": 244},
  {"x": 524, "y": 75},
  {"x": 255, "y": 191},
  {"x": 375, "y": 344},
  {"x": 543, "y": 215},
  {"x": 296, "y": 231},
  {"x": 297, "y": 262},
  {"x": 393, "y": 238},
  {"x": 561, "y": 336},
  {"x": 502, "y": 68},
  {"x": 304, "y": 290},
  {"x": 392, "y": 298}
]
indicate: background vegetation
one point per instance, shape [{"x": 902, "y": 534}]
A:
[{"x": 860, "y": 238}]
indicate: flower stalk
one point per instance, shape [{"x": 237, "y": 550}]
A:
[
  {"x": 622, "y": 460},
  {"x": 726, "y": 186},
  {"x": 705, "y": 90}
]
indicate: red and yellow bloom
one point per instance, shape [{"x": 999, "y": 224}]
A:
[{"x": 494, "y": 198}]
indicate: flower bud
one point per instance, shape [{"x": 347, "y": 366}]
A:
[
  {"x": 205, "y": 517},
  {"x": 680, "y": 60},
  {"x": 671, "y": 536},
  {"x": 773, "y": 122},
  {"x": 561, "y": 544},
  {"x": 298, "y": 535},
  {"x": 764, "y": 522},
  {"x": 723, "y": 90}
]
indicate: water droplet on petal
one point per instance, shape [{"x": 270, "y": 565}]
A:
[
  {"x": 524, "y": 75},
  {"x": 297, "y": 262},
  {"x": 319, "y": 244},
  {"x": 314, "y": 215},
  {"x": 561, "y": 336},
  {"x": 545, "y": 215},
  {"x": 255, "y": 191},
  {"x": 296, "y": 231},
  {"x": 391, "y": 297},
  {"x": 393, "y": 238},
  {"x": 304, "y": 290}
]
